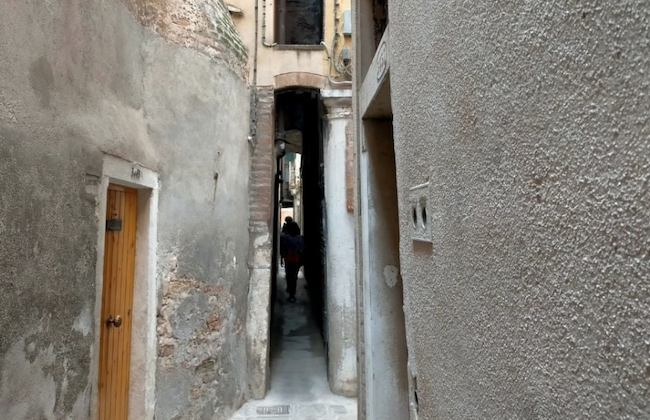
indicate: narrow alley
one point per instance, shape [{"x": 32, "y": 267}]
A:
[
  {"x": 462, "y": 186},
  {"x": 299, "y": 387}
]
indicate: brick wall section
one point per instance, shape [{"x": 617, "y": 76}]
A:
[
  {"x": 205, "y": 25},
  {"x": 261, "y": 244},
  {"x": 261, "y": 175}
]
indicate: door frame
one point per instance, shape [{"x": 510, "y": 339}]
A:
[{"x": 145, "y": 287}]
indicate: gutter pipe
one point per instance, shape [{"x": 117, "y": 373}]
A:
[{"x": 329, "y": 56}]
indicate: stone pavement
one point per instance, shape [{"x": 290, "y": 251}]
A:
[{"x": 298, "y": 368}]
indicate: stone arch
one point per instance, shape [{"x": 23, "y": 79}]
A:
[{"x": 300, "y": 79}]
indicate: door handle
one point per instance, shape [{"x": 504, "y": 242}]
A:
[{"x": 115, "y": 322}]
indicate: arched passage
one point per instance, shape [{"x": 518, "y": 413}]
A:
[
  {"x": 299, "y": 128},
  {"x": 300, "y": 80}
]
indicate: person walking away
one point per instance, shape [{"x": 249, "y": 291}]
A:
[
  {"x": 283, "y": 236},
  {"x": 291, "y": 252},
  {"x": 287, "y": 221}
]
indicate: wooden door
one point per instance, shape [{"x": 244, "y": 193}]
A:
[{"x": 117, "y": 303}]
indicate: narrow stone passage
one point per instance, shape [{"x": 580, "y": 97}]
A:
[{"x": 298, "y": 367}]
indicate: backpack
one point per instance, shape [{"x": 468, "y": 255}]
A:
[
  {"x": 293, "y": 250},
  {"x": 293, "y": 256}
]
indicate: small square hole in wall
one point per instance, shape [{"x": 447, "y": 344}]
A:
[{"x": 420, "y": 213}]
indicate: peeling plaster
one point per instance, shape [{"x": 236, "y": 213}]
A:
[
  {"x": 83, "y": 323},
  {"x": 391, "y": 274},
  {"x": 204, "y": 25},
  {"x": 27, "y": 390},
  {"x": 84, "y": 81}
]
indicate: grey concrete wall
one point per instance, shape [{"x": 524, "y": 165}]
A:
[
  {"x": 79, "y": 80},
  {"x": 530, "y": 119}
]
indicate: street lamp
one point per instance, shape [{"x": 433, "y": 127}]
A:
[{"x": 280, "y": 147}]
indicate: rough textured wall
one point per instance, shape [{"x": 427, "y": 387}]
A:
[
  {"x": 205, "y": 25},
  {"x": 203, "y": 234},
  {"x": 531, "y": 121},
  {"x": 79, "y": 80}
]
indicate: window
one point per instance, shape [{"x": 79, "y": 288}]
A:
[{"x": 299, "y": 22}]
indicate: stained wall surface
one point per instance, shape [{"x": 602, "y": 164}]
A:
[
  {"x": 79, "y": 80},
  {"x": 340, "y": 292},
  {"x": 531, "y": 122}
]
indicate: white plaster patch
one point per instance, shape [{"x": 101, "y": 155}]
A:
[
  {"x": 390, "y": 274},
  {"x": 348, "y": 366},
  {"x": 261, "y": 240},
  {"x": 80, "y": 407},
  {"x": 83, "y": 322}
]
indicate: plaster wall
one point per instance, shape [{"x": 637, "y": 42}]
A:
[
  {"x": 341, "y": 293},
  {"x": 79, "y": 80},
  {"x": 530, "y": 121},
  {"x": 274, "y": 60},
  {"x": 384, "y": 338}
]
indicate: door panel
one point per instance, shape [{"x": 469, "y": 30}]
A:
[{"x": 117, "y": 302}]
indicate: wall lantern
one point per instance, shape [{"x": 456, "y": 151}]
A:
[{"x": 280, "y": 146}]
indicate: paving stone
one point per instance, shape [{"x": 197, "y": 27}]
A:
[
  {"x": 300, "y": 369},
  {"x": 338, "y": 409}
]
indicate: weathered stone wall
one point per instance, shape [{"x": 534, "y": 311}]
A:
[
  {"x": 81, "y": 79},
  {"x": 531, "y": 122},
  {"x": 205, "y": 25}
]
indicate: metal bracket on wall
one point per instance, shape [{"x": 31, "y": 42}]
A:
[{"x": 114, "y": 225}]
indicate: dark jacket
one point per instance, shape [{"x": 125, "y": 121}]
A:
[{"x": 291, "y": 248}]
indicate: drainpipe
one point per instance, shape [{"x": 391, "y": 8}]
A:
[
  {"x": 264, "y": 26},
  {"x": 253, "y": 128},
  {"x": 329, "y": 56},
  {"x": 253, "y": 98},
  {"x": 329, "y": 73},
  {"x": 257, "y": 20}
]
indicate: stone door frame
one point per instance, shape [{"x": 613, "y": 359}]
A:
[{"x": 145, "y": 290}]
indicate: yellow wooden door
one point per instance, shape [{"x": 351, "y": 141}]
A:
[{"x": 117, "y": 303}]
